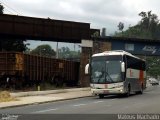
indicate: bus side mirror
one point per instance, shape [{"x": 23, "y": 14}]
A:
[
  {"x": 87, "y": 69},
  {"x": 122, "y": 67}
]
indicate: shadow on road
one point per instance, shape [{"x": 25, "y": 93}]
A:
[
  {"x": 146, "y": 91},
  {"x": 117, "y": 96}
]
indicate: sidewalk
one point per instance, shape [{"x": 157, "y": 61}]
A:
[{"x": 37, "y": 97}]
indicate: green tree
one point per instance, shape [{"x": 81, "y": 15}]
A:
[
  {"x": 12, "y": 45},
  {"x": 95, "y": 34},
  {"x": 120, "y": 26},
  {"x": 1, "y": 9},
  {"x": 147, "y": 28},
  {"x": 149, "y": 23},
  {"x": 44, "y": 50},
  {"x": 153, "y": 66},
  {"x": 66, "y": 53}
]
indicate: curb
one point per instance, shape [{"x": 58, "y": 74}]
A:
[
  {"x": 35, "y": 103},
  {"x": 36, "y": 93}
]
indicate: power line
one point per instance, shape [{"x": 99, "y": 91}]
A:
[
  {"x": 10, "y": 8},
  {"x": 9, "y": 11}
]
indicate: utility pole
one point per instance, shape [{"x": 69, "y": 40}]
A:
[
  {"x": 74, "y": 47},
  {"x": 57, "y": 53}
]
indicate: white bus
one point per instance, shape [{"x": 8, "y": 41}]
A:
[{"x": 116, "y": 72}]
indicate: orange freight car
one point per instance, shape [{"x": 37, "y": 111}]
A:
[{"x": 19, "y": 69}]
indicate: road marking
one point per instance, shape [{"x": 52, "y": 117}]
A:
[
  {"x": 79, "y": 105},
  {"x": 98, "y": 101},
  {"x": 41, "y": 111},
  {"x": 114, "y": 99}
]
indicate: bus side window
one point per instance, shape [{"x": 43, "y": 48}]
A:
[{"x": 134, "y": 63}]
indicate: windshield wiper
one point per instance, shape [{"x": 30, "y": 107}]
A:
[
  {"x": 109, "y": 79},
  {"x": 101, "y": 75},
  {"x": 108, "y": 76}
]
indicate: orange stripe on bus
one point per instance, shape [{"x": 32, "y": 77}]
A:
[{"x": 141, "y": 74}]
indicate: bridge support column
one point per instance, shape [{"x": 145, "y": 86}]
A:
[
  {"x": 85, "y": 57},
  {"x": 86, "y": 52}
]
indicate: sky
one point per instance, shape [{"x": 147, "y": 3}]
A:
[{"x": 99, "y": 13}]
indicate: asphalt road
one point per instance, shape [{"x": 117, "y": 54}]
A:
[{"x": 149, "y": 102}]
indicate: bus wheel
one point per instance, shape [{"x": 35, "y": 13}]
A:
[
  {"x": 101, "y": 96},
  {"x": 128, "y": 91},
  {"x": 141, "y": 91}
]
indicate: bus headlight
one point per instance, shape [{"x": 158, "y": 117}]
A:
[{"x": 121, "y": 90}]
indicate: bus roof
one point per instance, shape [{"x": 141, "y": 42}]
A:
[{"x": 115, "y": 52}]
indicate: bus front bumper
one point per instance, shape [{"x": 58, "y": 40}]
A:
[{"x": 107, "y": 91}]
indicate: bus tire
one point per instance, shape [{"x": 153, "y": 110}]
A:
[
  {"x": 141, "y": 91},
  {"x": 101, "y": 96},
  {"x": 128, "y": 91}
]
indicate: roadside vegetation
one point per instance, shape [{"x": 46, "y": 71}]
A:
[
  {"x": 147, "y": 28},
  {"x": 6, "y": 97}
]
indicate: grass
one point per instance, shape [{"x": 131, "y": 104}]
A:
[
  {"x": 6, "y": 97},
  {"x": 48, "y": 86},
  {"x": 43, "y": 86}
]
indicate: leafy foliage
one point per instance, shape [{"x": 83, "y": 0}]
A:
[
  {"x": 65, "y": 52},
  {"x": 12, "y": 45},
  {"x": 120, "y": 26},
  {"x": 1, "y": 9},
  {"x": 147, "y": 28},
  {"x": 153, "y": 66},
  {"x": 44, "y": 50}
]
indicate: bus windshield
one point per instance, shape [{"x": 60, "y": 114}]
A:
[{"x": 106, "y": 69}]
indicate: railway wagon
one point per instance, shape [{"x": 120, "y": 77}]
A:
[{"x": 19, "y": 69}]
